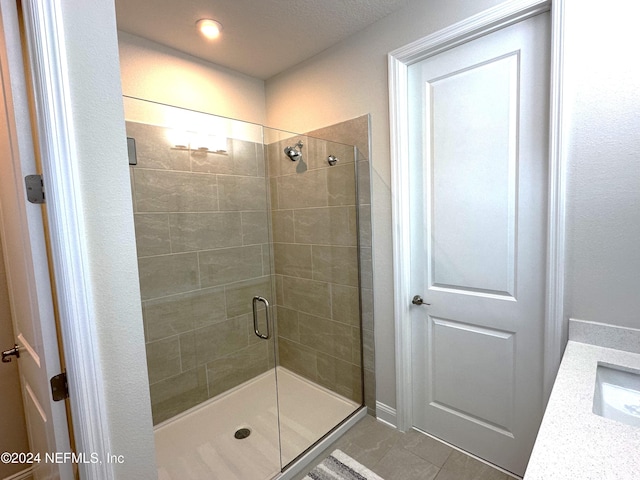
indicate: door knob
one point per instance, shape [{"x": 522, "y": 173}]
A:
[
  {"x": 417, "y": 300},
  {"x": 12, "y": 352}
]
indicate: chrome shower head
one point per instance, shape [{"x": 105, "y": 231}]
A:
[{"x": 294, "y": 153}]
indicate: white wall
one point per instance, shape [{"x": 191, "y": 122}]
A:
[
  {"x": 154, "y": 72},
  {"x": 344, "y": 82},
  {"x": 107, "y": 223},
  {"x": 603, "y": 88}
]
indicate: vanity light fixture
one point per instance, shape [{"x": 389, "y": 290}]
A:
[{"x": 209, "y": 28}]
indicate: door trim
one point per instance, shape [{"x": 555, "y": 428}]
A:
[
  {"x": 399, "y": 61},
  {"x": 45, "y": 37}
]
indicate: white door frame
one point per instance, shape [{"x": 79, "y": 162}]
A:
[
  {"x": 399, "y": 61},
  {"x": 45, "y": 39}
]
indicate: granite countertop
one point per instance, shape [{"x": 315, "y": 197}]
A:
[{"x": 573, "y": 442}]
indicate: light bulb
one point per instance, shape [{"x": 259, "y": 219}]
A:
[{"x": 209, "y": 28}]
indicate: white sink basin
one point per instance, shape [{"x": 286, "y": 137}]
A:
[{"x": 617, "y": 394}]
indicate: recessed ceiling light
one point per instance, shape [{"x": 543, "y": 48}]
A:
[{"x": 209, "y": 28}]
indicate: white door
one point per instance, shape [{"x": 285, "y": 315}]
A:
[
  {"x": 26, "y": 265},
  {"x": 479, "y": 127}
]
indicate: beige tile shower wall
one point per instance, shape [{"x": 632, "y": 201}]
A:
[
  {"x": 316, "y": 264},
  {"x": 356, "y": 132},
  {"x": 203, "y": 252}
]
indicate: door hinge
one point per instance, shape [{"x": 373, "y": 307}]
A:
[
  {"x": 59, "y": 387},
  {"x": 35, "y": 188}
]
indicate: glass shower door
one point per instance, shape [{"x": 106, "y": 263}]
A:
[
  {"x": 314, "y": 211},
  {"x": 201, "y": 210}
]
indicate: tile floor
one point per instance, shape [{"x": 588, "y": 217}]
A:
[{"x": 407, "y": 456}]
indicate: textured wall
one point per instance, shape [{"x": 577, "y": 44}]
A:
[
  {"x": 161, "y": 74},
  {"x": 202, "y": 238},
  {"x": 602, "y": 91}
]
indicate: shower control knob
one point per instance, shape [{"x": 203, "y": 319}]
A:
[{"x": 417, "y": 300}]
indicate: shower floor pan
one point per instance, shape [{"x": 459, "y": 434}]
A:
[{"x": 200, "y": 443}]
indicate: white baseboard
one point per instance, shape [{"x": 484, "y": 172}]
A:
[
  {"x": 23, "y": 475},
  {"x": 386, "y": 414}
]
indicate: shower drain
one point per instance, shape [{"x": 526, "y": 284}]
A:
[{"x": 242, "y": 433}]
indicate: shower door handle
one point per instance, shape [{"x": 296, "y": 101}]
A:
[{"x": 257, "y": 299}]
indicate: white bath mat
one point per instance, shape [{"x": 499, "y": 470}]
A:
[{"x": 340, "y": 466}]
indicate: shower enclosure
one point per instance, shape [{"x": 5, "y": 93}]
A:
[{"x": 247, "y": 243}]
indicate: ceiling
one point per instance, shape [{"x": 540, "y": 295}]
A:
[{"x": 260, "y": 38}]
